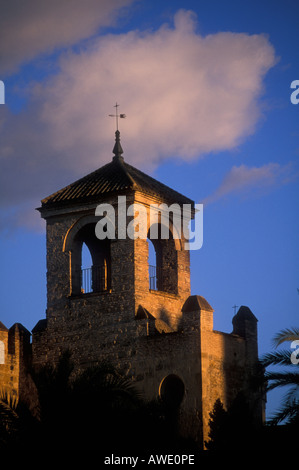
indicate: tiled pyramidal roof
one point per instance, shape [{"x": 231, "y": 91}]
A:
[{"x": 113, "y": 177}]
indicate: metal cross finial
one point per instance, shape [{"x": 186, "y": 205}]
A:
[
  {"x": 121, "y": 116},
  {"x": 234, "y": 307}
]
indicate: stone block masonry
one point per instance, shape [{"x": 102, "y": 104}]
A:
[{"x": 162, "y": 337}]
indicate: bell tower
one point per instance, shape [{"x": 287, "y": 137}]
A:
[
  {"x": 132, "y": 305},
  {"x": 93, "y": 311}
]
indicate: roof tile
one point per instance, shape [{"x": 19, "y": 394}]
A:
[{"x": 113, "y": 177}]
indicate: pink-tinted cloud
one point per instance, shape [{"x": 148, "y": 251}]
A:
[
  {"x": 184, "y": 95},
  {"x": 32, "y": 27},
  {"x": 246, "y": 180}
]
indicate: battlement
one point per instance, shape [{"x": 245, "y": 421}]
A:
[
  {"x": 121, "y": 309},
  {"x": 15, "y": 356}
]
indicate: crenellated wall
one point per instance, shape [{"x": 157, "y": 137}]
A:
[{"x": 15, "y": 357}]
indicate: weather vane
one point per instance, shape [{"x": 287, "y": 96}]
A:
[
  {"x": 116, "y": 115},
  {"x": 235, "y": 307}
]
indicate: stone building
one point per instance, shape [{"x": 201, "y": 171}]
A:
[
  {"x": 141, "y": 318},
  {"x": 15, "y": 356}
]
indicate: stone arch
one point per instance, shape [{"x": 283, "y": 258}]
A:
[
  {"x": 74, "y": 229},
  {"x": 172, "y": 391},
  {"x": 98, "y": 277},
  {"x": 175, "y": 235},
  {"x": 163, "y": 274}
]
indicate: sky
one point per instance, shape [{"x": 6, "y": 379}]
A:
[{"x": 206, "y": 89}]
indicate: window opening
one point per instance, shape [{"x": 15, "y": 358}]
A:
[
  {"x": 90, "y": 262},
  {"x": 162, "y": 260},
  {"x": 86, "y": 270},
  {"x": 154, "y": 266}
]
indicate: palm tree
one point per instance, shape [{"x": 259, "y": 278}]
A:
[
  {"x": 288, "y": 378},
  {"x": 16, "y": 422},
  {"x": 9, "y": 419},
  {"x": 90, "y": 409},
  {"x": 85, "y": 408}
]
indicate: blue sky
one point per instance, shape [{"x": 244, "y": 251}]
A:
[{"x": 206, "y": 90}]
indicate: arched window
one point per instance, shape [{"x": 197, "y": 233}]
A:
[
  {"x": 162, "y": 261},
  {"x": 90, "y": 262},
  {"x": 86, "y": 257},
  {"x": 152, "y": 266},
  {"x": 86, "y": 270}
]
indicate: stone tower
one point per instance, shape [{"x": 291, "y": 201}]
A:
[
  {"x": 104, "y": 301},
  {"x": 15, "y": 356},
  {"x": 141, "y": 318}
]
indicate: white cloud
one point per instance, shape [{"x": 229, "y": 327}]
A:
[
  {"x": 29, "y": 28},
  {"x": 243, "y": 180},
  {"x": 184, "y": 95}
]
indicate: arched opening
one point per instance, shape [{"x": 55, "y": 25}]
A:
[
  {"x": 90, "y": 262},
  {"x": 86, "y": 270},
  {"x": 152, "y": 258},
  {"x": 172, "y": 391},
  {"x": 162, "y": 260},
  {"x": 154, "y": 267},
  {"x": 86, "y": 257}
]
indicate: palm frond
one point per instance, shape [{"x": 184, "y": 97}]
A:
[
  {"x": 8, "y": 418},
  {"x": 289, "y": 411},
  {"x": 292, "y": 395},
  {"x": 288, "y": 334},
  {"x": 282, "y": 357},
  {"x": 105, "y": 380},
  {"x": 123, "y": 385},
  {"x": 281, "y": 379},
  {"x": 8, "y": 398}
]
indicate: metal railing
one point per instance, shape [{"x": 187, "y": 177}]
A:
[
  {"x": 94, "y": 279},
  {"x": 155, "y": 278}
]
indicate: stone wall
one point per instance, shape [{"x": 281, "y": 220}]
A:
[
  {"x": 147, "y": 334},
  {"x": 14, "y": 359},
  {"x": 74, "y": 320}
]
